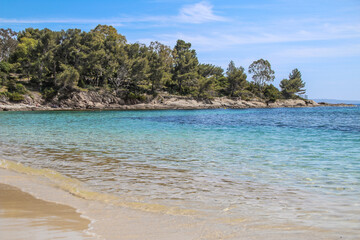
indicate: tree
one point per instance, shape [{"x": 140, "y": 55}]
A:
[
  {"x": 185, "y": 67},
  {"x": 25, "y": 54},
  {"x": 272, "y": 93},
  {"x": 8, "y": 43},
  {"x": 210, "y": 80},
  {"x": 160, "y": 62},
  {"x": 262, "y": 72},
  {"x": 292, "y": 86},
  {"x": 236, "y": 78},
  {"x": 115, "y": 65},
  {"x": 138, "y": 66},
  {"x": 46, "y": 60},
  {"x": 295, "y": 74},
  {"x": 5, "y": 69},
  {"x": 209, "y": 71},
  {"x": 204, "y": 87},
  {"x": 68, "y": 78}
]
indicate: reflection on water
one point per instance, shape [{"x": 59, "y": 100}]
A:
[{"x": 280, "y": 165}]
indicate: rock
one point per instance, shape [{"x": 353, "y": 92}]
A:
[
  {"x": 106, "y": 100},
  {"x": 287, "y": 103}
]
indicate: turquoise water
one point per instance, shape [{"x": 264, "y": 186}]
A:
[{"x": 298, "y": 165}]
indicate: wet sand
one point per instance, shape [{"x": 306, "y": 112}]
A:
[
  {"x": 23, "y": 216},
  {"x": 55, "y": 217}
]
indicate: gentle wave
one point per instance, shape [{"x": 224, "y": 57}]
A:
[{"x": 78, "y": 189}]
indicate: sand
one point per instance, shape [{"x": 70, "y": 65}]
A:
[{"x": 23, "y": 216}]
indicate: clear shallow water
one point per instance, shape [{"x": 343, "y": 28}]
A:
[{"x": 281, "y": 165}]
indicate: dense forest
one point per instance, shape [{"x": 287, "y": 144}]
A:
[{"x": 60, "y": 62}]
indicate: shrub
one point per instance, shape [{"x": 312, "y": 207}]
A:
[
  {"x": 5, "y": 67},
  {"x": 16, "y": 87},
  {"x": 272, "y": 93},
  {"x": 11, "y": 85},
  {"x": 15, "y": 97},
  {"x": 49, "y": 93},
  {"x": 134, "y": 96},
  {"x": 19, "y": 88}
]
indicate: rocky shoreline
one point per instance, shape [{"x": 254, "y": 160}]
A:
[{"x": 105, "y": 101}]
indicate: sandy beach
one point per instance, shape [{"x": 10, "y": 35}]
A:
[
  {"x": 22, "y": 212},
  {"x": 107, "y": 221},
  {"x": 22, "y": 215}
]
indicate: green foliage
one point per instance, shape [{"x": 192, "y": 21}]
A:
[
  {"x": 134, "y": 96},
  {"x": 295, "y": 74},
  {"x": 272, "y": 93},
  {"x": 292, "y": 86},
  {"x": 19, "y": 88},
  {"x": 160, "y": 63},
  {"x": 49, "y": 93},
  {"x": 15, "y": 91},
  {"x": 205, "y": 88},
  {"x": 15, "y": 97},
  {"x": 185, "y": 72},
  {"x": 68, "y": 78},
  {"x": 25, "y": 54},
  {"x": 262, "y": 72},
  {"x": 11, "y": 85},
  {"x": 59, "y": 61},
  {"x": 8, "y": 43},
  {"x": 209, "y": 79},
  {"x": 245, "y": 94},
  {"x": 5, "y": 69},
  {"x": 255, "y": 89},
  {"x": 236, "y": 78}
]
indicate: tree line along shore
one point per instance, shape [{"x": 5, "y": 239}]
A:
[{"x": 57, "y": 64}]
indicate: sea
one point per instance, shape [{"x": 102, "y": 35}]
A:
[{"x": 278, "y": 173}]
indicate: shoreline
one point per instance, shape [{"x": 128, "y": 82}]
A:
[
  {"x": 231, "y": 219},
  {"x": 84, "y": 101},
  {"x": 114, "y": 222},
  {"x": 108, "y": 221},
  {"x": 22, "y": 214}
]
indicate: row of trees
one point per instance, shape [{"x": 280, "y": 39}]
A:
[{"x": 63, "y": 61}]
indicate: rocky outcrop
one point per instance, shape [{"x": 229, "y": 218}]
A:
[
  {"x": 106, "y": 100},
  {"x": 87, "y": 100},
  {"x": 292, "y": 103}
]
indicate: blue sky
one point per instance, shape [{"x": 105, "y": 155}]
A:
[{"x": 320, "y": 38}]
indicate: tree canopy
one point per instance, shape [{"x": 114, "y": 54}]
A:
[
  {"x": 236, "y": 79},
  {"x": 57, "y": 62},
  {"x": 262, "y": 72},
  {"x": 293, "y": 86}
]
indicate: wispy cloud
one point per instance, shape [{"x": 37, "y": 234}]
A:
[
  {"x": 198, "y": 13},
  {"x": 201, "y": 12},
  {"x": 265, "y": 35}
]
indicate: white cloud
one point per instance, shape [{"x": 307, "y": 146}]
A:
[
  {"x": 198, "y": 13},
  {"x": 214, "y": 40}
]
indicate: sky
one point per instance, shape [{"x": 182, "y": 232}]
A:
[{"x": 319, "y": 37}]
